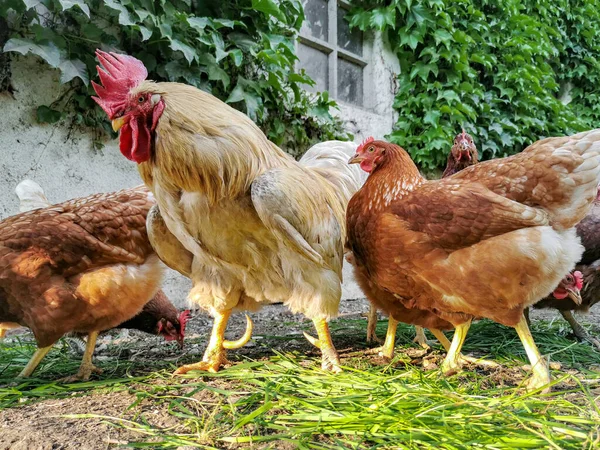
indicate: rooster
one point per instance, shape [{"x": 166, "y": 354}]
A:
[
  {"x": 82, "y": 266},
  {"x": 157, "y": 317},
  {"x": 242, "y": 219},
  {"x": 486, "y": 242}
]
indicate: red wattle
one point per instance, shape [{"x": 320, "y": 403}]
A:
[
  {"x": 140, "y": 145},
  {"x": 366, "y": 165},
  {"x": 126, "y": 141},
  {"x": 560, "y": 294}
]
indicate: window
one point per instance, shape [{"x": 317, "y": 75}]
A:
[{"x": 330, "y": 52}]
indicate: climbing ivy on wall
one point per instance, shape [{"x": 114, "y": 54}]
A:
[
  {"x": 498, "y": 68},
  {"x": 242, "y": 51}
]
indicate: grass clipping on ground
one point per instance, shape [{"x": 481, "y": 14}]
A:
[{"x": 288, "y": 402}]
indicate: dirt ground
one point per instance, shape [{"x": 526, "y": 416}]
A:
[{"x": 39, "y": 425}]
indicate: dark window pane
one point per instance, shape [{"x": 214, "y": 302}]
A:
[
  {"x": 316, "y": 19},
  {"x": 350, "y": 82},
  {"x": 316, "y": 64},
  {"x": 351, "y": 41}
]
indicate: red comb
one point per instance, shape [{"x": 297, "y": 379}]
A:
[
  {"x": 118, "y": 74},
  {"x": 365, "y": 142},
  {"x": 578, "y": 279},
  {"x": 183, "y": 318}
]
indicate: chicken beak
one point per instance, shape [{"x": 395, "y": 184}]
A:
[
  {"x": 356, "y": 159},
  {"x": 118, "y": 123},
  {"x": 575, "y": 295}
]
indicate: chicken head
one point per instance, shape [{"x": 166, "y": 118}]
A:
[
  {"x": 570, "y": 286},
  {"x": 135, "y": 116}
]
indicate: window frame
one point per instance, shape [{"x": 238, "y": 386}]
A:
[{"x": 333, "y": 51}]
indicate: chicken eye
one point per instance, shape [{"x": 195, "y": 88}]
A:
[
  {"x": 371, "y": 149},
  {"x": 141, "y": 99}
]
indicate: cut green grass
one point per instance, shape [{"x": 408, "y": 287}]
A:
[{"x": 286, "y": 401}]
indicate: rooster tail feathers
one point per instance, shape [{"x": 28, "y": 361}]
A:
[
  {"x": 330, "y": 160},
  {"x": 31, "y": 196}
]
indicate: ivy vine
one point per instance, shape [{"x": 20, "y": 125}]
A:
[
  {"x": 241, "y": 51},
  {"x": 508, "y": 71}
]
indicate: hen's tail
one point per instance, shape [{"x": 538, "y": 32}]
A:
[
  {"x": 559, "y": 175},
  {"x": 330, "y": 160},
  {"x": 31, "y": 196}
]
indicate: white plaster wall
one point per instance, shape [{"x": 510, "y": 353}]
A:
[
  {"x": 377, "y": 117},
  {"x": 66, "y": 165}
]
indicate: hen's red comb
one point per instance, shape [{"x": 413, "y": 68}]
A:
[
  {"x": 367, "y": 141},
  {"x": 578, "y": 279},
  {"x": 183, "y": 318},
  {"x": 118, "y": 74}
]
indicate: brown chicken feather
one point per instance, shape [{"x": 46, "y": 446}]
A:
[
  {"x": 81, "y": 266},
  {"x": 513, "y": 216}
]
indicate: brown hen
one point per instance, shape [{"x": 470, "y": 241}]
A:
[
  {"x": 426, "y": 242},
  {"x": 81, "y": 266}
]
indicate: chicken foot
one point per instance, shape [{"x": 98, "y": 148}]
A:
[
  {"x": 578, "y": 330},
  {"x": 372, "y": 325},
  {"x": 420, "y": 337},
  {"x": 452, "y": 362},
  {"x": 35, "y": 361},
  {"x": 215, "y": 353},
  {"x": 541, "y": 372},
  {"x": 455, "y": 359},
  {"x": 86, "y": 368},
  {"x": 330, "y": 358}
]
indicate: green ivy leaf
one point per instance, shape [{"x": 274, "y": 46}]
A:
[
  {"x": 220, "y": 52},
  {"x": 125, "y": 17},
  {"x": 432, "y": 117},
  {"x": 236, "y": 56},
  {"x": 44, "y": 114},
  {"x": 68, "y": 4},
  {"x": 48, "y": 52},
  {"x": 269, "y": 8},
  {"x": 380, "y": 17},
  {"x": 146, "y": 33},
  {"x": 189, "y": 52},
  {"x": 199, "y": 23},
  {"x": 71, "y": 68}
]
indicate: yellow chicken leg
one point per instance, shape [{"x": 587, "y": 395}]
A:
[
  {"x": 454, "y": 359},
  {"x": 331, "y": 360},
  {"x": 541, "y": 373},
  {"x": 387, "y": 349},
  {"x": 420, "y": 337},
  {"x": 35, "y": 361},
  {"x": 2, "y": 333},
  {"x": 441, "y": 337},
  {"x": 372, "y": 325},
  {"x": 215, "y": 354},
  {"x": 451, "y": 363},
  {"x": 86, "y": 368}
]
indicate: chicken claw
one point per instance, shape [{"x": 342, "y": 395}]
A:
[
  {"x": 83, "y": 374},
  {"x": 215, "y": 354},
  {"x": 330, "y": 358},
  {"x": 452, "y": 362},
  {"x": 539, "y": 365},
  {"x": 578, "y": 330},
  {"x": 86, "y": 368},
  {"x": 420, "y": 337}
]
